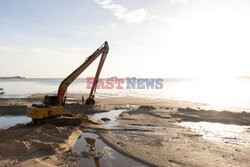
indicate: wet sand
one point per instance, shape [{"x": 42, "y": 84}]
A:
[
  {"x": 147, "y": 131},
  {"x": 151, "y": 135},
  {"x": 46, "y": 145}
]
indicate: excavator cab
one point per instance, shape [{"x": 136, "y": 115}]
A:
[{"x": 50, "y": 100}]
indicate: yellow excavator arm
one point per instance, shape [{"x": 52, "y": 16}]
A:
[{"x": 67, "y": 81}]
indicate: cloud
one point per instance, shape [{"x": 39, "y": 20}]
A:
[
  {"x": 122, "y": 13},
  {"x": 185, "y": 1},
  {"x": 179, "y": 1},
  {"x": 137, "y": 16}
]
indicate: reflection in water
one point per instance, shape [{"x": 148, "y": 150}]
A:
[
  {"x": 91, "y": 144},
  {"x": 97, "y": 164},
  {"x": 233, "y": 134},
  {"x": 93, "y": 148}
]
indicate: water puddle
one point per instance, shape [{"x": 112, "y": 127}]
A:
[
  {"x": 8, "y": 121},
  {"x": 233, "y": 134},
  {"x": 112, "y": 115},
  {"x": 94, "y": 152}
]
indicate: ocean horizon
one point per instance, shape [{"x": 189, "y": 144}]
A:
[{"x": 223, "y": 94}]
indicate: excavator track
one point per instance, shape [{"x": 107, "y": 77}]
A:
[
  {"x": 59, "y": 121},
  {"x": 66, "y": 121}
]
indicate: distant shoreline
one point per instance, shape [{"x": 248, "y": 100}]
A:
[{"x": 15, "y": 77}]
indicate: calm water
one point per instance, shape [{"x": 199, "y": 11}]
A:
[
  {"x": 112, "y": 115},
  {"x": 230, "y": 94},
  {"x": 90, "y": 141},
  {"x": 8, "y": 121}
]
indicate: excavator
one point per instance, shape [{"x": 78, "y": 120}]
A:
[{"x": 52, "y": 106}]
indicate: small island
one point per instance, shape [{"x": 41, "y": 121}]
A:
[
  {"x": 15, "y": 77},
  {"x": 1, "y": 91}
]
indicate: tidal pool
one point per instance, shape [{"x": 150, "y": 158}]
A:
[
  {"x": 233, "y": 134},
  {"x": 8, "y": 121}
]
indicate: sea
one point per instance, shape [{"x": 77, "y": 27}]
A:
[{"x": 231, "y": 94}]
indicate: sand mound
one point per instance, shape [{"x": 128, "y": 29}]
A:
[
  {"x": 147, "y": 107},
  {"x": 226, "y": 117},
  {"x": 26, "y": 139},
  {"x": 26, "y": 142}
]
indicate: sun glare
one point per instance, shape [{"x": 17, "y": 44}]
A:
[{"x": 210, "y": 43}]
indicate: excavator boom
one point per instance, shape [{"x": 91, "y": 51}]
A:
[{"x": 67, "y": 81}]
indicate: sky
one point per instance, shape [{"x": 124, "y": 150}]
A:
[{"x": 147, "y": 38}]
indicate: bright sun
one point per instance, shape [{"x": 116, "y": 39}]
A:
[{"x": 209, "y": 43}]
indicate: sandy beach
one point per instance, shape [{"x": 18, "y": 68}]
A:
[
  {"x": 116, "y": 83},
  {"x": 148, "y": 131}
]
